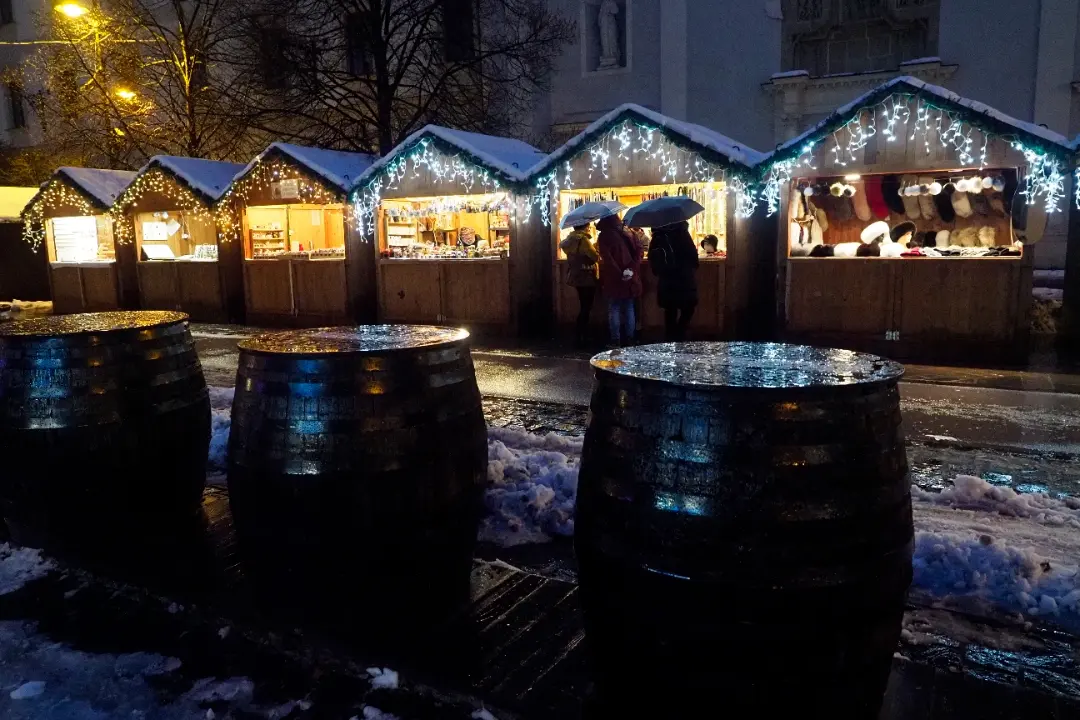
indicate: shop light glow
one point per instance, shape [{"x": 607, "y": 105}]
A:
[
  {"x": 261, "y": 177},
  {"x": 156, "y": 181},
  {"x": 55, "y": 194}
]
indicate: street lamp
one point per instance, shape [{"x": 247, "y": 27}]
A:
[
  {"x": 72, "y": 10},
  {"x": 125, "y": 94}
]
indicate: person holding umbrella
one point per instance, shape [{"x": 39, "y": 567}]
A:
[
  {"x": 673, "y": 258},
  {"x": 620, "y": 277},
  {"x": 582, "y": 274}
]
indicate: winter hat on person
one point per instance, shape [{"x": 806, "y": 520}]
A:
[
  {"x": 942, "y": 238},
  {"x": 860, "y": 202},
  {"x": 875, "y": 198},
  {"x": 988, "y": 236},
  {"x": 911, "y": 202},
  {"x": 926, "y": 200},
  {"x": 961, "y": 204},
  {"x": 967, "y": 237},
  {"x": 890, "y": 191},
  {"x": 874, "y": 232},
  {"x": 943, "y": 203},
  {"x": 902, "y": 233}
]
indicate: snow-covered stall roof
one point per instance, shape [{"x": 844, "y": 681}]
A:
[
  {"x": 209, "y": 178},
  {"x": 513, "y": 159},
  {"x": 101, "y": 186},
  {"x": 337, "y": 167},
  {"x": 973, "y": 111},
  {"x": 699, "y": 137}
]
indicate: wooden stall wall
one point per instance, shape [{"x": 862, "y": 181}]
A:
[
  {"x": 931, "y": 309},
  {"x": 24, "y": 271},
  {"x": 361, "y": 271}
]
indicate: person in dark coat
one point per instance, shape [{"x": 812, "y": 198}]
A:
[
  {"x": 673, "y": 258},
  {"x": 582, "y": 274},
  {"x": 620, "y": 277}
]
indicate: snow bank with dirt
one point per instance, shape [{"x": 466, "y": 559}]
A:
[
  {"x": 19, "y": 565},
  {"x": 972, "y": 493}
]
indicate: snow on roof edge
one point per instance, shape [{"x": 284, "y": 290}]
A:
[
  {"x": 196, "y": 183},
  {"x": 735, "y": 152},
  {"x": 290, "y": 151},
  {"x": 102, "y": 185},
  {"x": 973, "y": 106}
]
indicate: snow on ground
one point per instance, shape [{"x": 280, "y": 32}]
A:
[
  {"x": 221, "y": 399},
  {"x": 46, "y": 680},
  {"x": 19, "y": 565}
]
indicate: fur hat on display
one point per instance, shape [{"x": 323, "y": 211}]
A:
[
  {"x": 822, "y": 251},
  {"x": 943, "y": 203},
  {"x": 910, "y": 201},
  {"x": 874, "y": 232},
  {"x": 846, "y": 249},
  {"x": 878, "y": 208},
  {"x": 860, "y": 202},
  {"x": 988, "y": 236},
  {"x": 893, "y": 250},
  {"x": 980, "y": 203},
  {"x": 997, "y": 205},
  {"x": 926, "y": 200},
  {"x": 967, "y": 237},
  {"x": 820, "y": 215},
  {"x": 844, "y": 208},
  {"x": 961, "y": 204},
  {"x": 942, "y": 238},
  {"x": 868, "y": 250},
  {"x": 902, "y": 233},
  {"x": 890, "y": 192}
]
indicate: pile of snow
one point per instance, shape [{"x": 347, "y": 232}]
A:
[
  {"x": 972, "y": 493},
  {"x": 533, "y": 486},
  {"x": 19, "y": 565},
  {"x": 383, "y": 678},
  {"x": 221, "y": 399}
]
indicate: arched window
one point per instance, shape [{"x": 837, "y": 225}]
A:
[{"x": 827, "y": 37}]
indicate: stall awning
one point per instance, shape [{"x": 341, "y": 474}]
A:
[
  {"x": 13, "y": 200},
  {"x": 338, "y": 168}
]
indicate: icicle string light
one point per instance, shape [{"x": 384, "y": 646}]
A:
[
  {"x": 919, "y": 120},
  {"x": 630, "y": 138},
  {"x": 55, "y": 194},
  {"x": 261, "y": 177},
  {"x": 1076, "y": 187},
  {"x": 160, "y": 182},
  {"x": 442, "y": 166}
]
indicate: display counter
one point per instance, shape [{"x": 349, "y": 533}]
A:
[
  {"x": 90, "y": 286},
  {"x": 466, "y": 291}
]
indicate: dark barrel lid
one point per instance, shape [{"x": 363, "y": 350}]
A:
[
  {"x": 359, "y": 339},
  {"x": 748, "y": 365},
  {"x": 86, "y": 323}
]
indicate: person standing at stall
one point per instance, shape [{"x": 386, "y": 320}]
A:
[
  {"x": 620, "y": 277},
  {"x": 673, "y": 258},
  {"x": 582, "y": 274}
]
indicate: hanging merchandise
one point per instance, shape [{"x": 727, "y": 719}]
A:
[
  {"x": 961, "y": 204},
  {"x": 910, "y": 199},
  {"x": 926, "y": 198},
  {"x": 860, "y": 202}
]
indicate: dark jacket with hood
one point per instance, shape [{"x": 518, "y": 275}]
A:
[
  {"x": 618, "y": 252},
  {"x": 673, "y": 258}
]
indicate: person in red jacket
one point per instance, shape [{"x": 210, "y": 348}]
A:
[{"x": 620, "y": 277}]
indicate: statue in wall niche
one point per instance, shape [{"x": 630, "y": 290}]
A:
[{"x": 609, "y": 35}]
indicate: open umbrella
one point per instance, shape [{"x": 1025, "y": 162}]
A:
[
  {"x": 591, "y": 212},
  {"x": 662, "y": 211}
]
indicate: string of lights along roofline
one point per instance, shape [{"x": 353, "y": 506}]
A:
[
  {"x": 902, "y": 115},
  {"x": 55, "y": 193},
  {"x": 442, "y": 167},
  {"x": 261, "y": 177},
  {"x": 157, "y": 181},
  {"x": 630, "y": 138}
]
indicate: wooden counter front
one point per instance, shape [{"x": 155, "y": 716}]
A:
[
  {"x": 190, "y": 286},
  {"x": 84, "y": 287},
  {"x": 708, "y": 320},
  {"x": 458, "y": 291},
  {"x": 296, "y": 292},
  {"x": 931, "y": 308}
]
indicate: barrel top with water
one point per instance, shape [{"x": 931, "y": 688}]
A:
[
  {"x": 748, "y": 365},
  {"x": 354, "y": 340},
  {"x": 90, "y": 323}
]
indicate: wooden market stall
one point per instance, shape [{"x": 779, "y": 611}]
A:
[
  {"x": 69, "y": 216},
  {"x": 23, "y": 275},
  {"x": 168, "y": 213},
  {"x": 302, "y": 263},
  {"x": 448, "y": 212},
  {"x": 633, "y": 154},
  {"x": 903, "y": 217}
]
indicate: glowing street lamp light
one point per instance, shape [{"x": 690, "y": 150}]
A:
[
  {"x": 125, "y": 94},
  {"x": 72, "y": 10}
]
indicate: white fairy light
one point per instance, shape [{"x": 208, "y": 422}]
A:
[
  {"x": 1076, "y": 187},
  {"x": 1045, "y": 177}
]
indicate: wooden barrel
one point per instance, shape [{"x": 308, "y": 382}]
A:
[
  {"x": 104, "y": 425},
  {"x": 743, "y": 528},
  {"x": 357, "y": 460}
]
